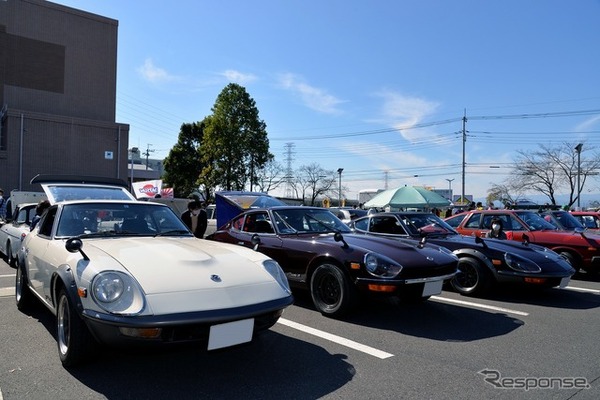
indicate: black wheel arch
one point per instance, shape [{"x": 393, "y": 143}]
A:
[
  {"x": 477, "y": 255},
  {"x": 63, "y": 278},
  {"x": 324, "y": 259}
]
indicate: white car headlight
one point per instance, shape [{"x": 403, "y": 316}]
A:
[
  {"x": 381, "y": 266},
  {"x": 117, "y": 293},
  {"x": 273, "y": 268}
]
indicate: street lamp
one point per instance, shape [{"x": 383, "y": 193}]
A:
[
  {"x": 132, "y": 151},
  {"x": 339, "y": 171},
  {"x": 450, "y": 187},
  {"x": 578, "y": 150}
]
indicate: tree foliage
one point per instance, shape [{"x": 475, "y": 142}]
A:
[
  {"x": 184, "y": 163},
  {"x": 235, "y": 144},
  {"x": 552, "y": 170}
]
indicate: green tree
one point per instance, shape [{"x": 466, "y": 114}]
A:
[
  {"x": 184, "y": 163},
  {"x": 235, "y": 144}
]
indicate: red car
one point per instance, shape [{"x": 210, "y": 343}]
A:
[
  {"x": 580, "y": 248},
  {"x": 589, "y": 219}
]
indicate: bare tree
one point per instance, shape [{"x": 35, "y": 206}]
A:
[
  {"x": 552, "y": 169},
  {"x": 507, "y": 194},
  {"x": 270, "y": 177},
  {"x": 312, "y": 181}
]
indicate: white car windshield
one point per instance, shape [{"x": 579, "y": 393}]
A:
[{"x": 103, "y": 219}]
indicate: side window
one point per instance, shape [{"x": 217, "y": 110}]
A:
[
  {"x": 473, "y": 222},
  {"x": 512, "y": 224},
  {"x": 362, "y": 225},
  {"x": 47, "y": 221},
  {"x": 455, "y": 221},
  {"x": 22, "y": 216},
  {"x": 384, "y": 224},
  {"x": 238, "y": 223},
  {"x": 258, "y": 223}
]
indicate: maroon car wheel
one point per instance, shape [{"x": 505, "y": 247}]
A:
[{"x": 332, "y": 293}]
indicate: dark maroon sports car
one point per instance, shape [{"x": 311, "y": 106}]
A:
[{"x": 318, "y": 252}]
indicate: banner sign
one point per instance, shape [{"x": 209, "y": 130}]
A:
[{"x": 147, "y": 189}]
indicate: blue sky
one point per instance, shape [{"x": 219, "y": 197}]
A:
[{"x": 378, "y": 88}]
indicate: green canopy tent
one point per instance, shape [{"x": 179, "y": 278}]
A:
[{"x": 408, "y": 197}]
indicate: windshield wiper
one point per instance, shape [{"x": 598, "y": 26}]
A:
[
  {"x": 98, "y": 234},
  {"x": 327, "y": 227},
  {"x": 174, "y": 232}
]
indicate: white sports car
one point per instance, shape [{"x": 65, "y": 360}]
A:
[{"x": 118, "y": 271}]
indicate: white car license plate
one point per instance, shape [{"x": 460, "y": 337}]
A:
[
  {"x": 432, "y": 288},
  {"x": 564, "y": 282},
  {"x": 230, "y": 334}
]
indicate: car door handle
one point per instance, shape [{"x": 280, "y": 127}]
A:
[{"x": 241, "y": 243}]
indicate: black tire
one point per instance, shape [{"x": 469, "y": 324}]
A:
[
  {"x": 10, "y": 259},
  {"x": 332, "y": 293},
  {"x": 571, "y": 259},
  {"x": 473, "y": 278},
  {"x": 75, "y": 343},
  {"x": 23, "y": 296}
]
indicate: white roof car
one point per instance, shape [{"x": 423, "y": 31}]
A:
[
  {"x": 14, "y": 230},
  {"x": 118, "y": 271}
]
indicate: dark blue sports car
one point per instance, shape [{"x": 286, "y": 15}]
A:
[{"x": 482, "y": 262}]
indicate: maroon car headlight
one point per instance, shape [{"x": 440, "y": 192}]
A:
[
  {"x": 381, "y": 266},
  {"x": 117, "y": 293}
]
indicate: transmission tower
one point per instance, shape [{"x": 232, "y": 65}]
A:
[{"x": 289, "y": 172}]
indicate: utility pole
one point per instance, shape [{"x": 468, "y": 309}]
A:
[
  {"x": 147, "y": 154},
  {"x": 464, "y": 142}
]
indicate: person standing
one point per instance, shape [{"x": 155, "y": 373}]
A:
[
  {"x": 39, "y": 210},
  {"x": 195, "y": 218},
  {"x": 3, "y": 202}
]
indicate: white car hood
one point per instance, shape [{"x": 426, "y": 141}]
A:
[{"x": 189, "y": 274}]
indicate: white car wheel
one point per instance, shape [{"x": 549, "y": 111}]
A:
[
  {"x": 23, "y": 295},
  {"x": 73, "y": 338}
]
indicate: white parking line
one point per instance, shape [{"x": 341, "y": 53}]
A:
[
  {"x": 7, "y": 292},
  {"x": 7, "y": 276},
  {"x": 336, "y": 339},
  {"x": 580, "y": 289},
  {"x": 479, "y": 305}
]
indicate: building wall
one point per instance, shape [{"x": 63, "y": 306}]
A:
[{"x": 58, "y": 93}]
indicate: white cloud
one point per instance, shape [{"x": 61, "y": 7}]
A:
[
  {"x": 402, "y": 111},
  {"x": 588, "y": 124},
  {"x": 152, "y": 73},
  {"x": 238, "y": 77},
  {"x": 314, "y": 98}
]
